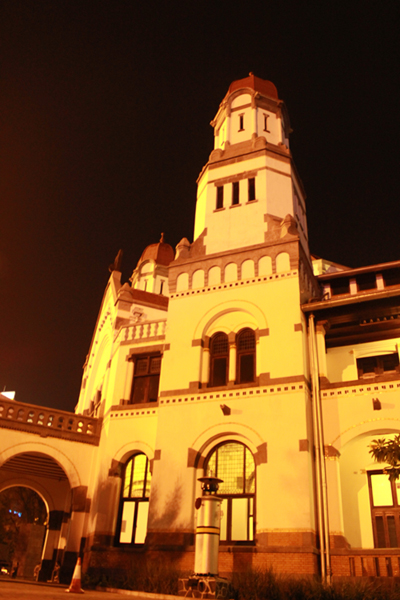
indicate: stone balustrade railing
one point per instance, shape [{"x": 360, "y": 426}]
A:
[
  {"x": 140, "y": 332},
  {"x": 48, "y": 422}
]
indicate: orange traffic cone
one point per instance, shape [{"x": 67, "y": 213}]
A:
[{"x": 75, "y": 587}]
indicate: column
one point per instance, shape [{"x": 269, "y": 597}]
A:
[{"x": 232, "y": 358}]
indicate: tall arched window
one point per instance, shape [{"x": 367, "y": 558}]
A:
[
  {"x": 134, "y": 504},
  {"x": 219, "y": 359},
  {"x": 234, "y": 464},
  {"x": 246, "y": 355}
]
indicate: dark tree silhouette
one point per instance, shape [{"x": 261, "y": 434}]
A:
[{"x": 19, "y": 506}]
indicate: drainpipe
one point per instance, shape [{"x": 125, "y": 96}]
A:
[{"x": 322, "y": 495}]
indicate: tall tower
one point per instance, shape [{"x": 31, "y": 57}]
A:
[
  {"x": 250, "y": 174},
  {"x": 234, "y": 375}
]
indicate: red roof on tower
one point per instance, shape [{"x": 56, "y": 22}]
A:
[
  {"x": 161, "y": 253},
  {"x": 266, "y": 88}
]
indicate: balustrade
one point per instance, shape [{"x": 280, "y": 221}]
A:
[
  {"x": 143, "y": 331},
  {"x": 16, "y": 415}
]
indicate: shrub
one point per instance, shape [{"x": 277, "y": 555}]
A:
[
  {"x": 257, "y": 584},
  {"x": 152, "y": 576}
]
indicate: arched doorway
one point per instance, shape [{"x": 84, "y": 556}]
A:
[
  {"x": 37, "y": 477},
  {"x": 23, "y": 521}
]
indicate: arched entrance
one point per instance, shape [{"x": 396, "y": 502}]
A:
[
  {"x": 23, "y": 521},
  {"x": 39, "y": 478}
]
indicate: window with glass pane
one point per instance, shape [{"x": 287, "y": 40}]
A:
[
  {"x": 235, "y": 192},
  {"x": 378, "y": 365},
  {"x": 234, "y": 464},
  {"x": 246, "y": 355},
  {"x": 134, "y": 503},
  {"x": 220, "y": 197},
  {"x": 145, "y": 379},
  {"x": 252, "y": 189},
  {"x": 219, "y": 359},
  {"x": 385, "y": 510}
]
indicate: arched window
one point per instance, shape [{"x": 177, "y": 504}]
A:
[
  {"x": 247, "y": 269},
  {"x": 234, "y": 464},
  {"x": 134, "y": 504},
  {"x": 219, "y": 359},
  {"x": 231, "y": 272},
  {"x": 246, "y": 355},
  {"x": 214, "y": 276},
  {"x": 198, "y": 279},
  {"x": 282, "y": 262},
  {"x": 182, "y": 282}
]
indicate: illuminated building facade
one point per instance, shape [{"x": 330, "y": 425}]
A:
[{"x": 243, "y": 356}]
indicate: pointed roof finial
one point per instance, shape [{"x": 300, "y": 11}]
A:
[
  {"x": 162, "y": 238},
  {"x": 116, "y": 265}
]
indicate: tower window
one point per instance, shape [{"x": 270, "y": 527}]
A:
[
  {"x": 219, "y": 359},
  {"x": 235, "y": 192},
  {"x": 266, "y": 123},
  {"x": 241, "y": 122},
  {"x": 252, "y": 189},
  {"x": 220, "y": 196},
  {"x": 146, "y": 379},
  {"x": 246, "y": 354}
]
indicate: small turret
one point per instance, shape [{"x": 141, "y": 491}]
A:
[{"x": 151, "y": 273}]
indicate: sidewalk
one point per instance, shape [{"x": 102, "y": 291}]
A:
[{"x": 29, "y": 590}]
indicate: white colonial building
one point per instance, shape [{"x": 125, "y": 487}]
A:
[{"x": 239, "y": 355}]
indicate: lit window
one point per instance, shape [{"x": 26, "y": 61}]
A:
[
  {"x": 235, "y": 192},
  {"x": 370, "y": 366},
  {"x": 220, "y": 196},
  {"x": 234, "y": 464},
  {"x": 145, "y": 379},
  {"x": 385, "y": 510},
  {"x": 252, "y": 189},
  {"x": 219, "y": 359},
  {"x": 246, "y": 354},
  {"x": 134, "y": 504}
]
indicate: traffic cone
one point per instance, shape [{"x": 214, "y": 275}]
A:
[{"x": 75, "y": 587}]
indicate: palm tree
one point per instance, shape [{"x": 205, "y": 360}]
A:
[{"x": 388, "y": 451}]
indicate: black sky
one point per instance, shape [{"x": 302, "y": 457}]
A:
[{"x": 104, "y": 127}]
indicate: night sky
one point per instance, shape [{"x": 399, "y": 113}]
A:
[{"x": 104, "y": 127}]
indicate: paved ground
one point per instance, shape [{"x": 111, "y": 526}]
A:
[{"x": 21, "y": 590}]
